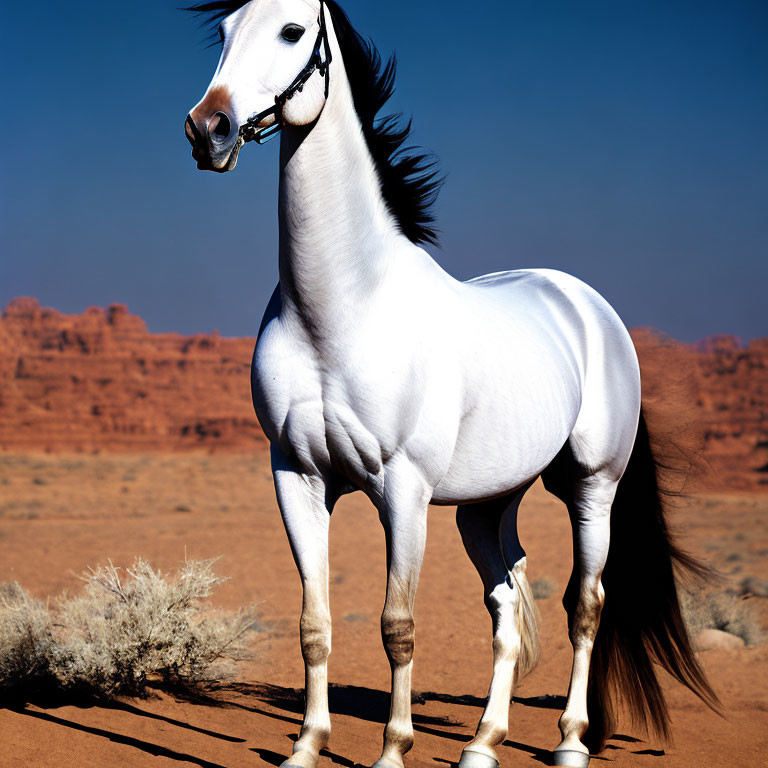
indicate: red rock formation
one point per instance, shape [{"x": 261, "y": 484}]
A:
[
  {"x": 711, "y": 399},
  {"x": 101, "y": 381}
]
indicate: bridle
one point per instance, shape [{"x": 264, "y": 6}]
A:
[{"x": 250, "y": 131}]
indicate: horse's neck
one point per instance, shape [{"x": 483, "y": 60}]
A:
[{"x": 336, "y": 233}]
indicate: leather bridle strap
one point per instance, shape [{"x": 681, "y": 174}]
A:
[{"x": 250, "y": 131}]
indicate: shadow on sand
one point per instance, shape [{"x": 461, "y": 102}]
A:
[{"x": 286, "y": 705}]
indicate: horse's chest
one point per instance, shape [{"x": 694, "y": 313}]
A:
[
  {"x": 328, "y": 434},
  {"x": 310, "y": 413}
]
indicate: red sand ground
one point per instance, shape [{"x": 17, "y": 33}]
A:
[{"x": 59, "y": 514}]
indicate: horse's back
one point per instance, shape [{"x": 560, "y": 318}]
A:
[{"x": 575, "y": 306}]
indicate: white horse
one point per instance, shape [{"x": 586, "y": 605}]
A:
[{"x": 375, "y": 370}]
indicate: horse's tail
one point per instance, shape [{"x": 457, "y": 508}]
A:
[
  {"x": 641, "y": 622},
  {"x": 527, "y": 622}
]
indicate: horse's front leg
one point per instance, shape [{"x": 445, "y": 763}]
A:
[
  {"x": 306, "y": 505},
  {"x": 403, "y": 513}
]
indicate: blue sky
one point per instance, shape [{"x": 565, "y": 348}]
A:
[{"x": 623, "y": 142}]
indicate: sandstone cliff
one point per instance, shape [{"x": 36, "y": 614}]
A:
[
  {"x": 709, "y": 399},
  {"x": 101, "y": 381}
]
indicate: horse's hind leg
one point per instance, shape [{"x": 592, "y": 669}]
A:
[
  {"x": 589, "y": 502},
  {"x": 489, "y": 533}
]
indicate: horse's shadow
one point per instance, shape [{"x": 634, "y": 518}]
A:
[
  {"x": 287, "y": 705},
  {"x": 353, "y": 700},
  {"x": 373, "y": 706}
]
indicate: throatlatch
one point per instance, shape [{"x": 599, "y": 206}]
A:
[{"x": 249, "y": 130}]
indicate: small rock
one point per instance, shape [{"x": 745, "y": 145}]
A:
[
  {"x": 716, "y": 639},
  {"x": 754, "y": 586}
]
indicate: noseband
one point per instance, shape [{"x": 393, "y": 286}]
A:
[{"x": 250, "y": 131}]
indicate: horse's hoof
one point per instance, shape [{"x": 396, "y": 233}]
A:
[
  {"x": 291, "y": 762},
  {"x": 301, "y": 758},
  {"x": 471, "y": 758},
  {"x": 384, "y": 762},
  {"x": 570, "y": 758}
]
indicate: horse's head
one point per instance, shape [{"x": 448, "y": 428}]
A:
[{"x": 266, "y": 45}]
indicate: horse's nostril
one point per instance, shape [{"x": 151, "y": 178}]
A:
[
  {"x": 189, "y": 129},
  {"x": 219, "y": 128}
]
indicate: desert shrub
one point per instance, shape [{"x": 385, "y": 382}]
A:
[
  {"x": 25, "y": 639},
  {"x": 543, "y": 588},
  {"x": 725, "y": 611},
  {"x": 125, "y": 629}
]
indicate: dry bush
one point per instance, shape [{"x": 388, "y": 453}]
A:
[
  {"x": 25, "y": 638},
  {"x": 125, "y": 629},
  {"x": 725, "y": 611}
]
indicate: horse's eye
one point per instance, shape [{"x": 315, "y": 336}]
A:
[{"x": 292, "y": 33}]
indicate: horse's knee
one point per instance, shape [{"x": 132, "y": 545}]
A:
[
  {"x": 315, "y": 638},
  {"x": 398, "y": 634}
]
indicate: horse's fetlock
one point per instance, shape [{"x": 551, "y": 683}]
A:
[
  {"x": 399, "y": 736},
  {"x": 315, "y": 736},
  {"x": 573, "y": 724},
  {"x": 490, "y": 734}
]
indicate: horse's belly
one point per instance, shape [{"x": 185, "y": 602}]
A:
[
  {"x": 476, "y": 476},
  {"x": 509, "y": 441}
]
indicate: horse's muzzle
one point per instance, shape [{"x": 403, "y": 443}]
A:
[{"x": 214, "y": 140}]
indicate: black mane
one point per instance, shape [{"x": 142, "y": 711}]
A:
[{"x": 409, "y": 179}]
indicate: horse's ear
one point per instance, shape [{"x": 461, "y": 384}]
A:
[{"x": 306, "y": 105}]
